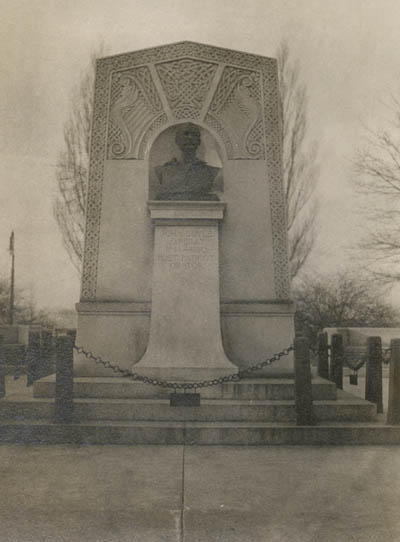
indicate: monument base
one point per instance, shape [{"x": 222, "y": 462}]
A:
[
  {"x": 183, "y": 374},
  {"x": 252, "y": 331}
]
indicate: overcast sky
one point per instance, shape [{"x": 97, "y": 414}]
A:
[{"x": 349, "y": 52}]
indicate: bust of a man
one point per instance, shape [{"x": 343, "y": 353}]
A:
[{"x": 188, "y": 178}]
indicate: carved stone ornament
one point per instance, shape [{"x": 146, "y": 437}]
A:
[
  {"x": 186, "y": 83},
  {"x": 135, "y": 106},
  {"x": 136, "y": 94},
  {"x": 186, "y": 87},
  {"x": 236, "y": 113}
]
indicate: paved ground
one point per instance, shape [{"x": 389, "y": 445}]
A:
[{"x": 199, "y": 494}]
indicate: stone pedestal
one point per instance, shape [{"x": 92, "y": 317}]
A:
[{"x": 185, "y": 331}]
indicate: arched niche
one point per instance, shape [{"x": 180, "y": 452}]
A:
[{"x": 164, "y": 149}]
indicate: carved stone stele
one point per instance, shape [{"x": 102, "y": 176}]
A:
[
  {"x": 139, "y": 98},
  {"x": 138, "y": 94}
]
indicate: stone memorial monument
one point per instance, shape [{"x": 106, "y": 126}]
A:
[{"x": 185, "y": 272}]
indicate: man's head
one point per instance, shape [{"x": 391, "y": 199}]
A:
[{"x": 188, "y": 137}]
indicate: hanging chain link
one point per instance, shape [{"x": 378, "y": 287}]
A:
[
  {"x": 234, "y": 377},
  {"x": 386, "y": 356},
  {"x": 387, "y": 353}
]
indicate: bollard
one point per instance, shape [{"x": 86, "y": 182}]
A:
[
  {"x": 2, "y": 368},
  {"x": 337, "y": 355},
  {"x": 46, "y": 357},
  {"x": 303, "y": 387},
  {"x": 373, "y": 373},
  {"x": 64, "y": 405},
  {"x": 33, "y": 357},
  {"x": 323, "y": 357},
  {"x": 393, "y": 416},
  {"x": 72, "y": 334}
]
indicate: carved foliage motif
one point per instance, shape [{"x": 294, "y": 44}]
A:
[
  {"x": 135, "y": 105},
  {"x": 262, "y": 92},
  {"x": 236, "y": 110},
  {"x": 186, "y": 83}
]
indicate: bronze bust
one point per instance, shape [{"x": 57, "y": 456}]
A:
[{"x": 189, "y": 179}]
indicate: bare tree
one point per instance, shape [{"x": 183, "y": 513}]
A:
[
  {"x": 343, "y": 299},
  {"x": 4, "y": 301},
  {"x": 73, "y": 167},
  {"x": 299, "y": 161},
  {"x": 26, "y": 311},
  {"x": 377, "y": 168}
]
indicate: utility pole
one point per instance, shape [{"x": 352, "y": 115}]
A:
[{"x": 12, "y": 252}]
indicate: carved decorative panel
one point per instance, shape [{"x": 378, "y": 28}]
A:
[
  {"x": 153, "y": 129},
  {"x": 137, "y": 93},
  {"x": 95, "y": 187},
  {"x": 276, "y": 195},
  {"x": 186, "y": 83},
  {"x": 135, "y": 105},
  {"x": 236, "y": 113}
]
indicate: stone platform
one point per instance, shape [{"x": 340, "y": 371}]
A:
[
  {"x": 124, "y": 388},
  {"x": 249, "y": 412}
]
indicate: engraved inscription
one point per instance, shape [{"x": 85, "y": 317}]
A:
[{"x": 187, "y": 248}]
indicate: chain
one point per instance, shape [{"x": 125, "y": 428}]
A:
[
  {"x": 386, "y": 354},
  {"x": 234, "y": 377},
  {"x": 357, "y": 366},
  {"x": 316, "y": 350}
]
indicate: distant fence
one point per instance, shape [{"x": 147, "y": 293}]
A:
[
  {"x": 333, "y": 358},
  {"x": 40, "y": 355},
  {"x": 36, "y": 358}
]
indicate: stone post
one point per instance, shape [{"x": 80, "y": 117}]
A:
[
  {"x": 2, "y": 368},
  {"x": 393, "y": 416},
  {"x": 323, "y": 356},
  {"x": 303, "y": 386},
  {"x": 47, "y": 353},
  {"x": 72, "y": 333},
  {"x": 373, "y": 373},
  {"x": 337, "y": 355},
  {"x": 33, "y": 356},
  {"x": 64, "y": 405}
]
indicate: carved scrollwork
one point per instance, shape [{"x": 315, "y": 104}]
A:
[
  {"x": 236, "y": 107},
  {"x": 134, "y": 107},
  {"x": 186, "y": 83},
  {"x": 154, "y": 127}
]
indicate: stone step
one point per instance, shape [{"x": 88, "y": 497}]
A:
[
  {"x": 123, "y": 388},
  {"x": 347, "y": 408},
  {"x": 197, "y": 433}
]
